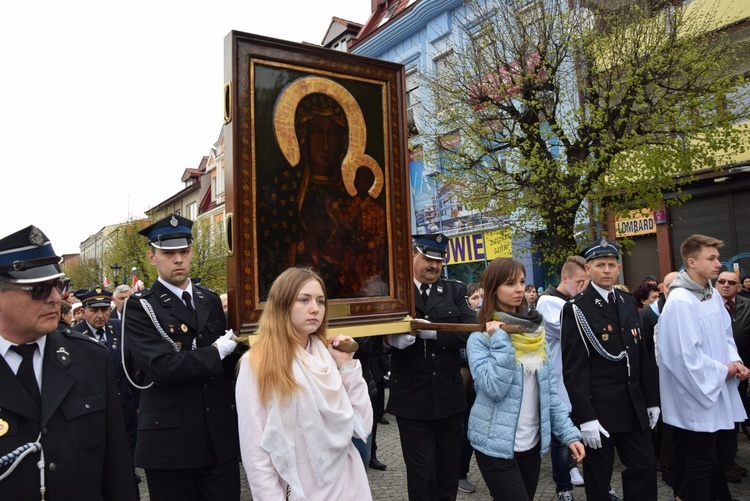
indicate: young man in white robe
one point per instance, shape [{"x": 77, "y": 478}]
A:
[{"x": 698, "y": 374}]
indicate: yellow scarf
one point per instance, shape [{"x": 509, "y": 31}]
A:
[{"x": 530, "y": 345}]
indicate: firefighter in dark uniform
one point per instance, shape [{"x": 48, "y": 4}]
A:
[
  {"x": 59, "y": 409},
  {"x": 99, "y": 326},
  {"x": 187, "y": 429},
  {"x": 611, "y": 380},
  {"x": 426, "y": 389}
]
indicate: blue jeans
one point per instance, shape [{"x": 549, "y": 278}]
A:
[
  {"x": 363, "y": 447},
  {"x": 559, "y": 454}
]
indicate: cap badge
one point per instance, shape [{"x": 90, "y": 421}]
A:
[
  {"x": 98, "y": 290},
  {"x": 439, "y": 239},
  {"x": 603, "y": 243},
  {"x": 35, "y": 236},
  {"x": 173, "y": 222}
]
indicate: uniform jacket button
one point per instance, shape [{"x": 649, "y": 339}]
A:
[{"x": 52, "y": 467}]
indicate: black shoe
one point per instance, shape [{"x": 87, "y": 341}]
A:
[
  {"x": 733, "y": 475},
  {"x": 377, "y": 465},
  {"x": 383, "y": 420}
]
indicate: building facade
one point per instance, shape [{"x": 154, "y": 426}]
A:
[{"x": 420, "y": 35}]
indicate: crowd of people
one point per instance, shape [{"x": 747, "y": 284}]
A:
[{"x": 96, "y": 383}]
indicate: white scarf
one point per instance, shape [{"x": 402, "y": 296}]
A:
[{"x": 321, "y": 408}]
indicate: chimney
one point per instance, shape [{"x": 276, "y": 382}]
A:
[{"x": 375, "y": 3}]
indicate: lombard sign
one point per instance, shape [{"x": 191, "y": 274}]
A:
[
  {"x": 479, "y": 247},
  {"x": 638, "y": 222}
]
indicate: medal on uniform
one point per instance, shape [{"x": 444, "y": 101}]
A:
[
  {"x": 609, "y": 328},
  {"x": 171, "y": 329},
  {"x": 178, "y": 344},
  {"x": 3, "y": 427},
  {"x": 62, "y": 356},
  {"x": 184, "y": 328},
  {"x": 605, "y": 337}
]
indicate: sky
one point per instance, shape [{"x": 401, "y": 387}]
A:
[{"x": 104, "y": 105}]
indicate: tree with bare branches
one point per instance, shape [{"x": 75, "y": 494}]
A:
[{"x": 554, "y": 114}]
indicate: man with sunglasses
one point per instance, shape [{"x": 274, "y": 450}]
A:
[
  {"x": 59, "y": 410},
  {"x": 738, "y": 307}
]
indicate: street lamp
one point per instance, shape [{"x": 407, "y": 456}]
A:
[
  {"x": 436, "y": 184},
  {"x": 116, "y": 272}
]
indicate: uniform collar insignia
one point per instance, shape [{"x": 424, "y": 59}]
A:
[
  {"x": 63, "y": 356},
  {"x": 598, "y": 303}
]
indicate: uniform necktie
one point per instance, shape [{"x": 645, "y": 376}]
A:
[
  {"x": 25, "y": 372},
  {"x": 613, "y": 304},
  {"x": 100, "y": 334},
  {"x": 730, "y": 308},
  {"x": 188, "y": 302},
  {"x": 424, "y": 288}
]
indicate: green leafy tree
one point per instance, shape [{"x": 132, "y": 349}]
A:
[
  {"x": 85, "y": 275},
  {"x": 127, "y": 248},
  {"x": 209, "y": 255},
  {"x": 554, "y": 116}
]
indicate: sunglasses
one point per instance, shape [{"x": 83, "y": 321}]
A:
[
  {"x": 723, "y": 281},
  {"x": 41, "y": 291}
]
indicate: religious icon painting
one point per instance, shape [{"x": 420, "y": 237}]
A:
[{"x": 316, "y": 175}]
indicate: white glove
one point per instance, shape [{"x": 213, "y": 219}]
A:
[
  {"x": 427, "y": 334},
  {"x": 653, "y": 416},
  {"x": 225, "y": 345},
  {"x": 401, "y": 341},
  {"x": 592, "y": 431}
]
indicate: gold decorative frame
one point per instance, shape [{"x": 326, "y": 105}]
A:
[{"x": 371, "y": 94}]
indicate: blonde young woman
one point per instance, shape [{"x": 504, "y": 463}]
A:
[
  {"x": 300, "y": 401},
  {"x": 517, "y": 409}
]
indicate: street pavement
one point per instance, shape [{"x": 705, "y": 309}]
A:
[{"x": 390, "y": 485}]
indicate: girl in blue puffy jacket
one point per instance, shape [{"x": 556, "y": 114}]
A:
[{"x": 517, "y": 408}]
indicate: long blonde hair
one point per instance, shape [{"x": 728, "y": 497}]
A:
[{"x": 272, "y": 355}]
